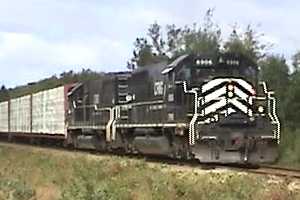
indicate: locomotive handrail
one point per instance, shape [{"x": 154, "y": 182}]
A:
[
  {"x": 272, "y": 112},
  {"x": 276, "y": 121},
  {"x": 195, "y": 116},
  {"x": 117, "y": 115},
  {"x": 102, "y": 109},
  {"x": 144, "y": 103},
  {"x": 95, "y": 106},
  {"x": 109, "y": 124}
]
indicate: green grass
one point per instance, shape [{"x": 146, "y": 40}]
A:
[{"x": 30, "y": 175}]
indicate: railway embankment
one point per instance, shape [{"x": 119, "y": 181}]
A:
[{"x": 42, "y": 173}]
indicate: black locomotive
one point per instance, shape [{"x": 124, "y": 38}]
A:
[{"x": 210, "y": 108}]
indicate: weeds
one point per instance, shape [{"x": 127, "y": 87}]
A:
[
  {"x": 26, "y": 175},
  {"x": 15, "y": 190}
]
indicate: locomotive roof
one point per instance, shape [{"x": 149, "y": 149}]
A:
[
  {"x": 152, "y": 67},
  {"x": 104, "y": 76}
]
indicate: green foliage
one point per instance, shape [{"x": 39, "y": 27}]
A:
[
  {"x": 4, "y": 94},
  {"x": 292, "y": 96},
  {"x": 205, "y": 38},
  {"x": 275, "y": 72},
  {"x": 127, "y": 180},
  {"x": 15, "y": 190},
  {"x": 202, "y": 38},
  {"x": 292, "y": 101},
  {"x": 296, "y": 61},
  {"x": 290, "y": 148},
  {"x": 247, "y": 44},
  {"x": 182, "y": 40},
  {"x": 48, "y": 83},
  {"x": 143, "y": 53},
  {"x": 154, "y": 32}
]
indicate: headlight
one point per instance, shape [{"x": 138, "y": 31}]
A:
[
  {"x": 230, "y": 87},
  {"x": 260, "y": 109},
  {"x": 230, "y": 94}
]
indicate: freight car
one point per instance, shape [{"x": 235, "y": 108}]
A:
[
  {"x": 35, "y": 116},
  {"x": 209, "y": 108}
]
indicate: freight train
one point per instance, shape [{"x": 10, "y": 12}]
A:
[{"x": 210, "y": 108}]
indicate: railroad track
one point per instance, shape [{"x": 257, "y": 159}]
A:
[
  {"x": 276, "y": 171},
  {"x": 268, "y": 170}
]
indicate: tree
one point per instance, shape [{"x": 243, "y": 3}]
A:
[
  {"x": 145, "y": 53},
  {"x": 174, "y": 43},
  {"x": 247, "y": 44},
  {"x": 296, "y": 61},
  {"x": 204, "y": 39},
  {"x": 292, "y": 101},
  {"x": 4, "y": 94},
  {"x": 191, "y": 40},
  {"x": 196, "y": 39},
  {"x": 292, "y": 95},
  {"x": 275, "y": 72},
  {"x": 155, "y": 34}
]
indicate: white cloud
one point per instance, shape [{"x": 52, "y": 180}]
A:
[
  {"x": 29, "y": 49},
  {"x": 32, "y": 57}
]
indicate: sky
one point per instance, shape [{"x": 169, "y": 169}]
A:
[{"x": 40, "y": 38}]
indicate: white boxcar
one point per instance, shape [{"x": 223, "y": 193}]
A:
[
  {"x": 4, "y": 116},
  {"x": 20, "y": 115},
  {"x": 48, "y": 112}
]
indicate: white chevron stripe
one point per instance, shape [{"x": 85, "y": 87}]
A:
[
  {"x": 214, "y": 107},
  {"x": 240, "y": 106},
  {"x": 215, "y": 94},
  {"x": 213, "y": 83},
  {"x": 241, "y": 94},
  {"x": 246, "y": 85}
]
